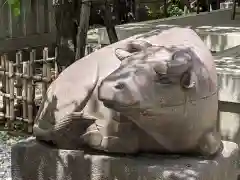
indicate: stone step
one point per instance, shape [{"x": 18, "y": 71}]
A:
[
  {"x": 228, "y": 68},
  {"x": 32, "y": 160}
]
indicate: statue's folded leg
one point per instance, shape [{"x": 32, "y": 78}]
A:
[
  {"x": 65, "y": 134},
  {"x": 112, "y": 136}
]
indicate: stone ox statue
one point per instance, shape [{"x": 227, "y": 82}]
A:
[{"x": 154, "y": 93}]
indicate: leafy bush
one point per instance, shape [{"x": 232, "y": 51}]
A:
[
  {"x": 15, "y": 5},
  {"x": 174, "y": 10}
]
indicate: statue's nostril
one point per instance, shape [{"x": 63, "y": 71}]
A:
[{"x": 119, "y": 86}]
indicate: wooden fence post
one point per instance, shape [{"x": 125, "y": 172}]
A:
[
  {"x": 11, "y": 93},
  {"x": 111, "y": 31},
  {"x": 19, "y": 77},
  {"x": 32, "y": 72},
  {"x": 83, "y": 28},
  {"x": 3, "y": 88},
  {"x": 18, "y": 84},
  {"x": 24, "y": 90},
  {"x": 30, "y": 97},
  {"x": 55, "y": 64},
  {"x": 165, "y": 6},
  {"x": 7, "y": 115}
]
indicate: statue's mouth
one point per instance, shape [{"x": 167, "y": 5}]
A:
[
  {"x": 116, "y": 106},
  {"x": 109, "y": 104}
]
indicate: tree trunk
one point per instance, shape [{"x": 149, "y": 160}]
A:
[
  {"x": 66, "y": 21},
  {"x": 83, "y": 29},
  {"x": 117, "y": 11},
  {"x": 112, "y": 35},
  {"x": 133, "y": 9},
  {"x": 165, "y": 8}
]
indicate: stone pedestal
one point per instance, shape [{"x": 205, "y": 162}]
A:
[{"x": 32, "y": 160}]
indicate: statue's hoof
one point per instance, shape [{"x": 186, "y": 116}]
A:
[
  {"x": 210, "y": 143},
  {"x": 110, "y": 143}
]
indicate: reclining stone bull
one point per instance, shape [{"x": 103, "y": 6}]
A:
[{"x": 153, "y": 93}]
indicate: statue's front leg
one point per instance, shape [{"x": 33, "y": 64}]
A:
[
  {"x": 112, "y": 136},
  {"x": 210, "y": 143}
]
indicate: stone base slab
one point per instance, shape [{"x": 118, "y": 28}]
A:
[{"x": 32, "y": 160}]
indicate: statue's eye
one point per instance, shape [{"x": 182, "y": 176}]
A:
[{"x": 163, "y": 79}]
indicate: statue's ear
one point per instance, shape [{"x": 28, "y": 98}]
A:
[
  {"x": 122, "y": 53},
  {"x": 181, "y": 65},
  {"x": 187, "y": 80},
  {"x": 132, "y": 47},
  {"x": 181, "y": 61}
]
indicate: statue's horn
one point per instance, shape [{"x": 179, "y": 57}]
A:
[{"x": 136, "y": 45}]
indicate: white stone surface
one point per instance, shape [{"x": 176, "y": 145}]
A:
[
  {"x": 217, "y": 38},
  {"x": 226, "y": 5},
  {"x": 34, "y": 161},
  {"x": 216, "y": 28},
  {"x": 228, "y": 68}
]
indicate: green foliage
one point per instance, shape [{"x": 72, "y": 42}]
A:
[
  {"x": 155, "y": 14},
  {"x": 174, "y": 10},
  {"x": 15, "y": 5}
]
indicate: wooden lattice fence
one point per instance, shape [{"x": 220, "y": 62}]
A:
[{"x": 23, "y": 84}]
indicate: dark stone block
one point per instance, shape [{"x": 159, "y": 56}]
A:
[{"x": 32, "y": 160}]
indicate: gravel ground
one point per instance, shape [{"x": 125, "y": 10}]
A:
[
  {"x": 6, "y": 142},
  {"x": 5, "y": 162}
]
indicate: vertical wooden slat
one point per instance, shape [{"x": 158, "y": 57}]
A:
[
  {"x": 165, "y": 8},
  {"x": 30, "y": 98},
  {"x": 1, "y": 20},
  {"x": 40, "y": 15},
  {"x": 15, "y": 25},
  {"x": 55, "y": 64},
  {"x": 83, "y": 28},
  {"x": 234, "y": 9},
  {"x": 32, "y": 59},
  {"x": 89, "y": 49},
  {"x": 4, "y": 16},
  {"x": 7, "y": 88},
  {"x": 27, "y": 17},
  {"x": 10, "y": 28},
  {"x": 3, "y": 88},
  {"x": 208, "y": 5},
  {"x": 51, "y": 16},
  {"x": 24, "y": 89},
  {"x": 18, "y": 70},
  {"x": 46, "y": 71},
  {"x": 136, "y": 10},
  {"x": 24, "y": 8},
  {"x": 46, "y": 16},
  {"x": 111, "y": 31},
  {"x": 32, "y": 72},
  {"x": 34, "y": 16},
  {"x": 11, "y": 92},
  {"x": 198, "y": 6}
]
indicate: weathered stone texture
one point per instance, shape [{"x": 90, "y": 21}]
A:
[{"x": 34, "y": 161}]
